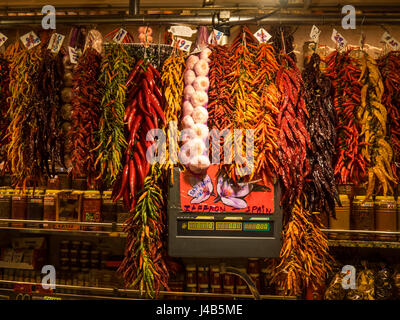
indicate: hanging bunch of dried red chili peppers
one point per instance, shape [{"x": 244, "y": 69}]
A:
[
  {"x": 4, "y": 120},
  {"x": 86, "y": 115},
  {"x": 142, "y": 114},
  {"x": 344, "y": 72},
  {"x": 304, "y": 254},
  {"x": 318, "y": 93},
  {"x": 293, "y": 135}
]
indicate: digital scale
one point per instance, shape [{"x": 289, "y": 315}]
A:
[{"x": 204, "y": 220}]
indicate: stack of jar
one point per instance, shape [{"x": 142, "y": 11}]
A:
[
  {"x": 59, "y": 205},
  {"x": 76, "y": 256},
  {"x": 209, "y": 279},
  {"x": 357, "y": 213}
]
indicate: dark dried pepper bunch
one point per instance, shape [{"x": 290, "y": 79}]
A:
[
  {"x": 48, "y": 147},
  {"x": 321, "y": 124}
]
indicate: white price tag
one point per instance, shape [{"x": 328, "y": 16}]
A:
[
  {"x": 215, "y": 37},
  {"x": 56, "y": 42},
  {"x": 182, "y": 44},
  {"x": 314, "y": 34},
  {"x": 392, "y": 42},
  {"x": 30, "y": 40},
  {"x": 262, "y": 35},
  {"x": 120, "y": 35},
  {"x": 3, "y": 39},
  {"x": 338, "y": 39},
  {"x": 182, "y": 31},
  {"x": 73, "y": 55}
]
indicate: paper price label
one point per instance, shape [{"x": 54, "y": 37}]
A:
[
  {"x": 182, "y": 44},
  {"x": 56, "y": 42},
  {"x": 182, "y": 31},
  {"x": 30, "y": 40},
  {"x": 215, "y": 37},
  {"x": 3, "y": 39},
  {"x": 73, "y": 55},
  {"x": 314, "y": 34},
  {"x": 392, "y": 42},
  {"x": 338, "y": 39},
  {"x": 120, "y": 35},
  {"x": 262, "y": 35}
]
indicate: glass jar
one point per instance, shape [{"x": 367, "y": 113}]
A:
[
  {"x": 50, "y": 206},
  {"x": 363, "y": 216},
  {"x": 91, "y": 209},
  {"x": 385, "y": 217},
  {"x": 53, "y": 183},
  {"x": 239, "y": 280},
  {"x": 70, "y": 208},
  {"x": 203, "y": 276},
  {"x": 122, "y": 213},
  {"x": 228, "y": 280},
  {"x": 79, "y": 183},
  {"x": 342, "y": 221},
  {"x": 191, "y": 277},
  {"x": 34, "y": 209},
  {"x": 19, "y": 207},
  {"x": 108, "y": 208},
  {"x": 253, "y": 266},
  {"x": 5, "y": 204},
  {"x": 215, "y": 276}
]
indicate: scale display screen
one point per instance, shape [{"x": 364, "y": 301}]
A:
[
  {"x": 199, "y": 225},
  {"x": 209, "y": 217},
  {"x": 187, "y": 227},
  {"x": 224, "y": 225}
]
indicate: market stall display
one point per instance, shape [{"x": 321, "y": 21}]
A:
[{"x": 314, "y": 168}]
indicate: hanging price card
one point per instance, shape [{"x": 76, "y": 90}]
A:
[
  {"x": 3, "y": 39},
  {"x": 30, "y": 40},
  {"x": 56, "y": 42},
  {"x": 120, "y": 35},
  {"x": 392, "y": 42},
  {"x": 314, "y": 34},
  {"x": 338, "y": 39},
  {"x": 182, "y": 44},
  {"x": 215, "y": 37},
  {"x": 73, "y": 55},
  {"x": 262, "y": 35},
  {"x": 181, "y": 31}
]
